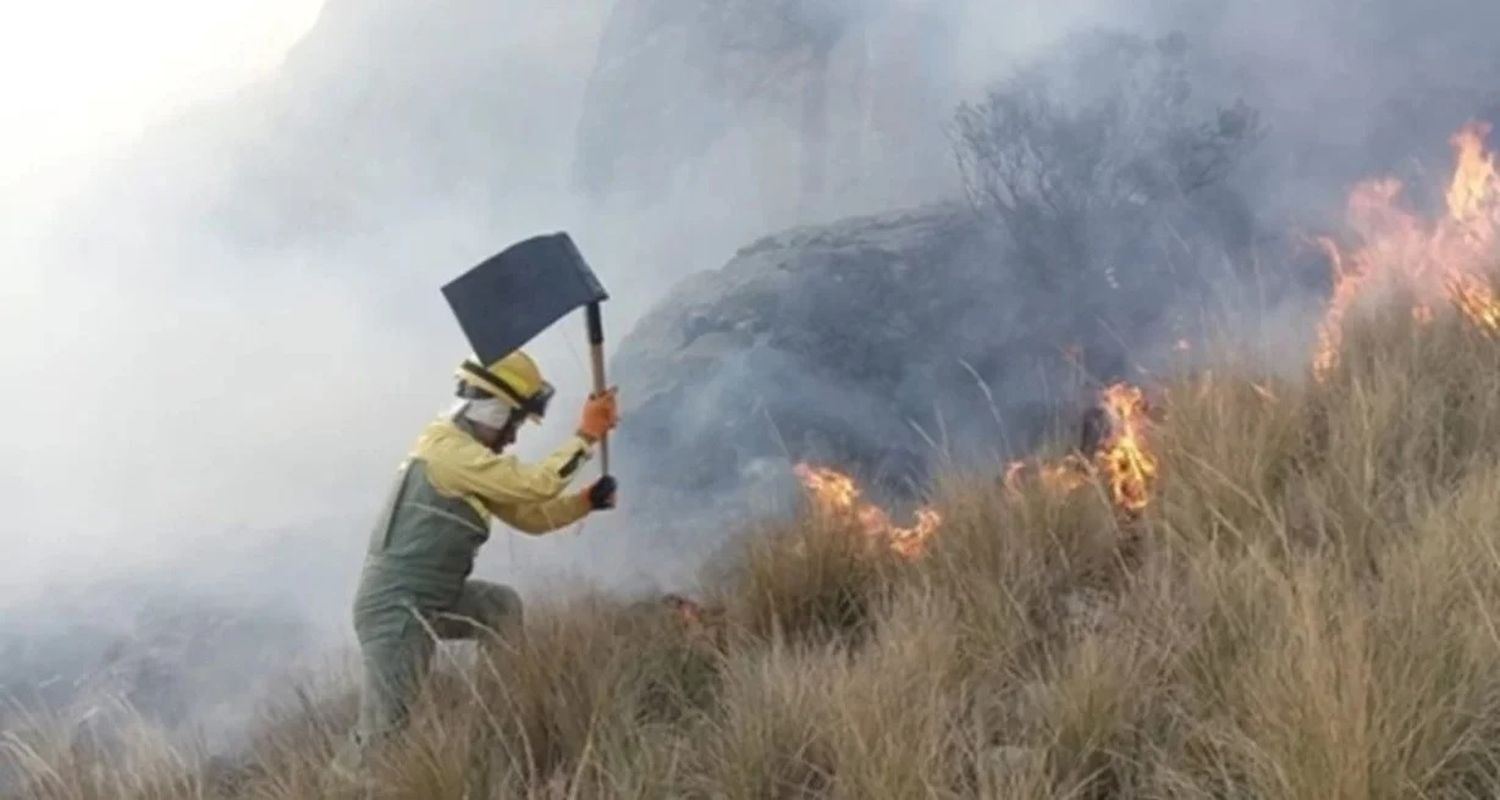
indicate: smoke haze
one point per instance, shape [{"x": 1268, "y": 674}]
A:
[{"x": 219, "y": 344}]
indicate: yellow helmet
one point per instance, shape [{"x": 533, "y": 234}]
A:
[{"x": 514, "y": 380}]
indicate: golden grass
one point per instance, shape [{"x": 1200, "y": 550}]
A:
[{"x": 1307, "y": 610}]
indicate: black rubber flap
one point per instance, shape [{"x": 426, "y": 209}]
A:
[{"x": 506, "y": 301}]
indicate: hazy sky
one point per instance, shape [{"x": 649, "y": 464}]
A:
[
  {"x": 82, "y": 77},
  {"x": 82, "y": 82}
]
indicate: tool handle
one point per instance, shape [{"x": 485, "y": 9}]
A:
[{"x": 596, "y": 355}]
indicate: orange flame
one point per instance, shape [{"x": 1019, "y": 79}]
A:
[
  {"x": 1471, "y": 194},
  {"x": 1128, "y": 465},
  {"x": 1476, "y": 300},
  {"x": 1124, "y": 460},
  {"x": 1449, "y": 258},
  {"x": 838, "y": 496}
]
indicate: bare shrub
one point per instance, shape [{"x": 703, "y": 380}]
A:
[{"x": 1080, "y": 162}]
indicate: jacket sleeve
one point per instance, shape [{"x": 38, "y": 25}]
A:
[
  {"x": 458, "y": 465},
  {"x": 544, "y": 517}
]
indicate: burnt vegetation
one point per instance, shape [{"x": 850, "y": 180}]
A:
[{"x": 1101, "y": 160}]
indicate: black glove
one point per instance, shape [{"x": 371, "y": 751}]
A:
[{"x": 602, "y": 494}]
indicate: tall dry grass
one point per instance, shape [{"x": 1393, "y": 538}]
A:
[{"x": 1307, "y": 610}]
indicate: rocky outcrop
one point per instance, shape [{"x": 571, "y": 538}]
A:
[{"x": 883, "y": 343}]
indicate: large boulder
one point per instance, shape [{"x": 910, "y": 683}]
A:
[{"x": 884, "y": 344}]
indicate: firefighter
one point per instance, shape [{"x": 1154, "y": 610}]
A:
[{"x": 415, "y": 586}]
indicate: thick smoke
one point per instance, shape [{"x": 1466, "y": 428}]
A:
[
  {"x": 1318, "y": 83},
  {"x": 218, "y": 347}
]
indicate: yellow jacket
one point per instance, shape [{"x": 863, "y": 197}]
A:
[{"x": 526, "y": 497}]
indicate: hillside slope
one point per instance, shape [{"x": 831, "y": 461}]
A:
[
  {"x": 1305, "y": 607},
  {"x": 1247, "y": 580}
]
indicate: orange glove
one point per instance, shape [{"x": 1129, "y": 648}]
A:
[{"x": 599, "y": 416}]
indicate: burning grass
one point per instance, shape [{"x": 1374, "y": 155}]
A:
[
  {"x": 1445, "y": 260},
  {"x": 1273, "y": 588}
]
